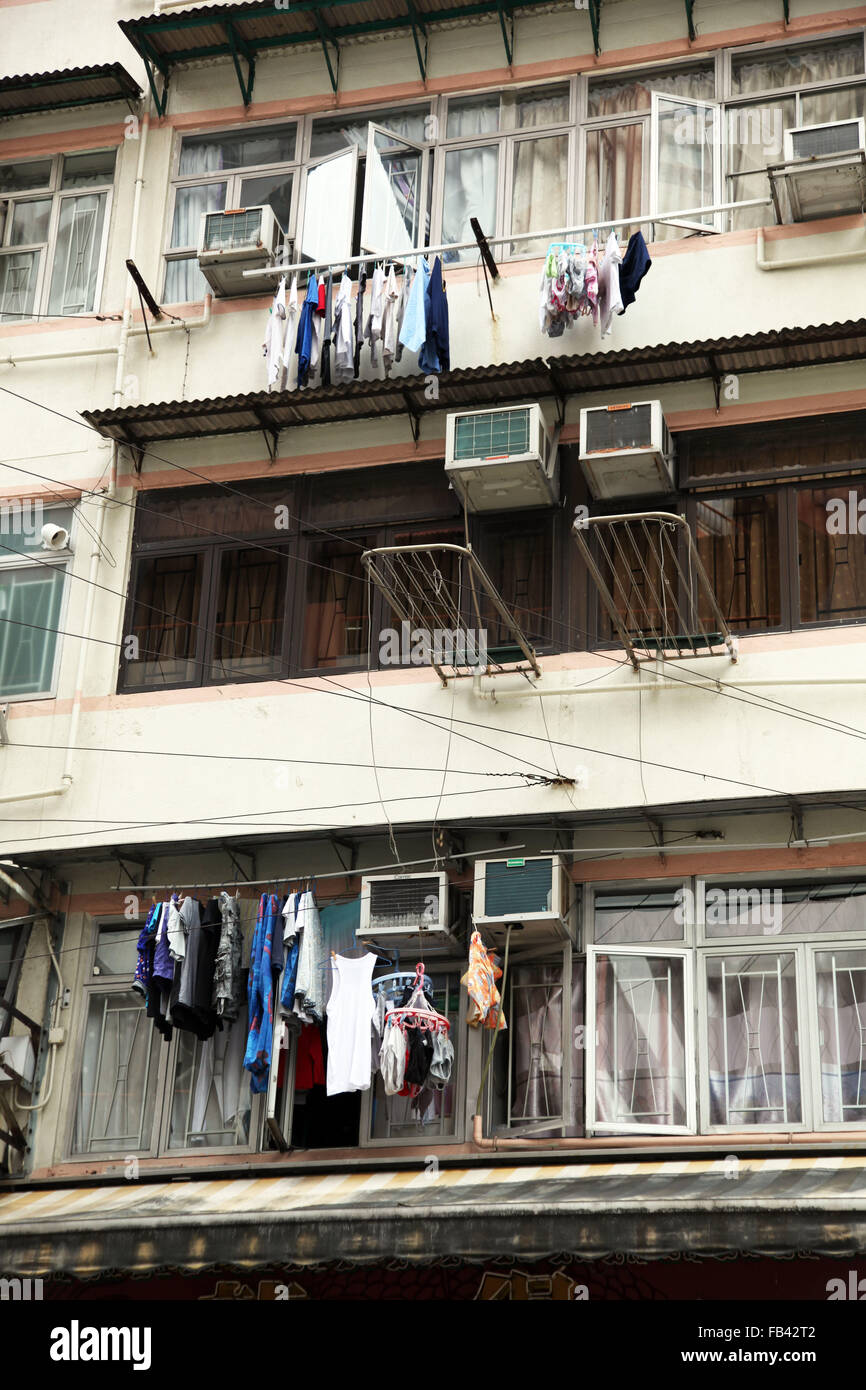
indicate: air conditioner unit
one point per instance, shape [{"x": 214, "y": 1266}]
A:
[
  {"x": 234, "y": 241},
  {"x": 825, "y": 171},
  {"x": 626, "y": 450},
  {"x": 410, "y": 910},
  {"x": 536, "y": 893},
  {"x": 502, "y": 459}
]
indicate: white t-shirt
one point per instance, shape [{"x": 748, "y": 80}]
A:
[{"x": 609, "y": 296}]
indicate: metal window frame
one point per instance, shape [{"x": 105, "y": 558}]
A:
[
  {"x": 778, "y": 947},
  {"x": 593, "y": 889},
  {"x": 744, "y": 941},
  {"x": 57, "y": 195},
  {"x": 686, "y": 954},
  {"x": 815, "y": 1075},
  {"x": 62, "y": 559},
  {"x": 788, "y": 41},
  {"x": 563, "y": 957}
]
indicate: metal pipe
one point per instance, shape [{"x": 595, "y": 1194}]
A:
[
  {"x": 736, "y": 1139},
  {"x": 804, "y": 262},
  {"x": 270, "y": 271}
]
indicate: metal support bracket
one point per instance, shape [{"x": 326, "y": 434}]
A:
[
  {"x": 506, "y": 24},
  {"x": 238, "y": 866},
  {"x": 144, "y": 868},
  {"x": 326, "y": 38},
  {"x": 786, "y": 11},
  {"x": 595, "y": 21},
  {"x": 4, "y": 732},
  {"x": 690, "y": 6},
  {"x": 418, "y": 27},
  {"x": 153, "y": 64},
  {"x": 559, "y": 393},
  {"x": 716, "y": 378},
  {"x": 350, "y": 848},
  {"x": 270, "y": 436},
  {"x": 242, "y": 50}
]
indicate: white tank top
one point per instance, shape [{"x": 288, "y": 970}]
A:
[{"x": 350, "y": 1017}]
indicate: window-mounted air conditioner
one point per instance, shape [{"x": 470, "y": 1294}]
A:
[
  {"x": 410, "y": 910},
  {"x": 502, "y": 459},
  {"x": 536, "y": 894},
  {"x": 234, "y": 241},
  {"x": 824, "y": 174},
  {"x": 626, "y": 450}
]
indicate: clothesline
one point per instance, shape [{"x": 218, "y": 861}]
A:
[
  {"x": 588, "y": 227},
  {"x": 319, "y": 878}
]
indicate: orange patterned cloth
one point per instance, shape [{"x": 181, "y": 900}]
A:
[{"x": 480, "y": 981}]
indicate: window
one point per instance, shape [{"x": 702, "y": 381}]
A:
[
  {"x": 781, "y": 553},
  {"x": 285, "y": 598},
  {"x": 775, "y": 975},
  {"x": 32, "y": 584},
  {"x": 491, "y": 160},
  {"x": 228, "y": 169},
  {"x": 135, "y": 1095},
  {"x": 53, "y": 234}
]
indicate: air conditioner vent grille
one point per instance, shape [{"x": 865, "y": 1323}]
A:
[
  {"x": 510, "y": 890},
  {"x": 412, "y": 905},
  {"x": 227, "y": 231},
  {"x": 491, "y": 434},
  {"x": 630, "y": 428},
  {"x": 826, "y": 140}
]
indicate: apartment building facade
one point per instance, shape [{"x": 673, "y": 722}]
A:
[{"x": 647, "y": 794}]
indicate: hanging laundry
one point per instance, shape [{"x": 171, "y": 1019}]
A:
[
  {"x": 414, "y": 330},
  {"x": 419, "y": 1055},
  {"x": 359, "y": 318},
  {"x": 408, "y": 276},
  {"x": 480, "y": 981},
  {"x": 636, "y": 262},
  {"x": 318, "y": 334},
  {"x": 389, "y": 320},
  {"x": 290, "y": 337},
  {"x": 311, "y": 990},
  {"x": 304, "y": 342},
  {"x": 434, "y": 355},
  {"x": 442, "y": 1061},
  {"x": 220, "y": 1071},
  {"x": 351, "y": 1010},
  {"x": 260, "y": 989},
  {"x": 373, "y": 328},
  {"x": 310, "y": 1060},
  {"x": 292, "y": 947},
  {"x": 193, "y": 1008},
  {"x": 144, "y": 948},
  {"x": 392, "y": 1059},
  {"x": 327, "y": 329},
  {"x": 176, "y": 938},
  {"x": 609, "y": 298},
  {"x": 344, "y": 336},
  {"x": 275, "y": 330},
  {"x": 227, "y": 999}
]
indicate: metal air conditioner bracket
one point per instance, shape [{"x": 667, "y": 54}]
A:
[
  {"x": 653, "y": 586},
  {"x": 4, "y": 731},
  {"x": 436, "y": 590}
]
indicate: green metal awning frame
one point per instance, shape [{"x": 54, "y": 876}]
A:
[
  {"x": 65, "y": 88},
  {"x": 236, "y": 31}
]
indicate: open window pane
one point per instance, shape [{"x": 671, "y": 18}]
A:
[
  {"x": 210, "y": 1105},
  {"x": 752, "y": 1040},
  {"x": 840, "y": 981},
  {"x": 640, "y": 1053},
  {"x": 335, "y": 622},
  {"x": 329, "y": 208},
  {"x": 614, "y": 173},
  {"x": 165, "y": 620},
  {"x": 250, "y": 615},
  {"x": 76, "y": 255},
  {"x": 118, "y": 1072},
  {"x": 738, "y": 543},
  {"x": 30, "y": 601},
  {"x": 831, "y": 527},
  {"x": 19, "y": 271},
  {"x": 685, "y": 173},
  {"x": 471, "y": 178},
  {"x": 539, "y": 189},
  {"x": 391, "y": 217}
]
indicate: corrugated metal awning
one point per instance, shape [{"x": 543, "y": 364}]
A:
[
  {"x": 54, "y": 91},
  {"x": 273, "y": 412},
  {"x": 776, "y": 1206},
  {"x": 244, "y": 32}
]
